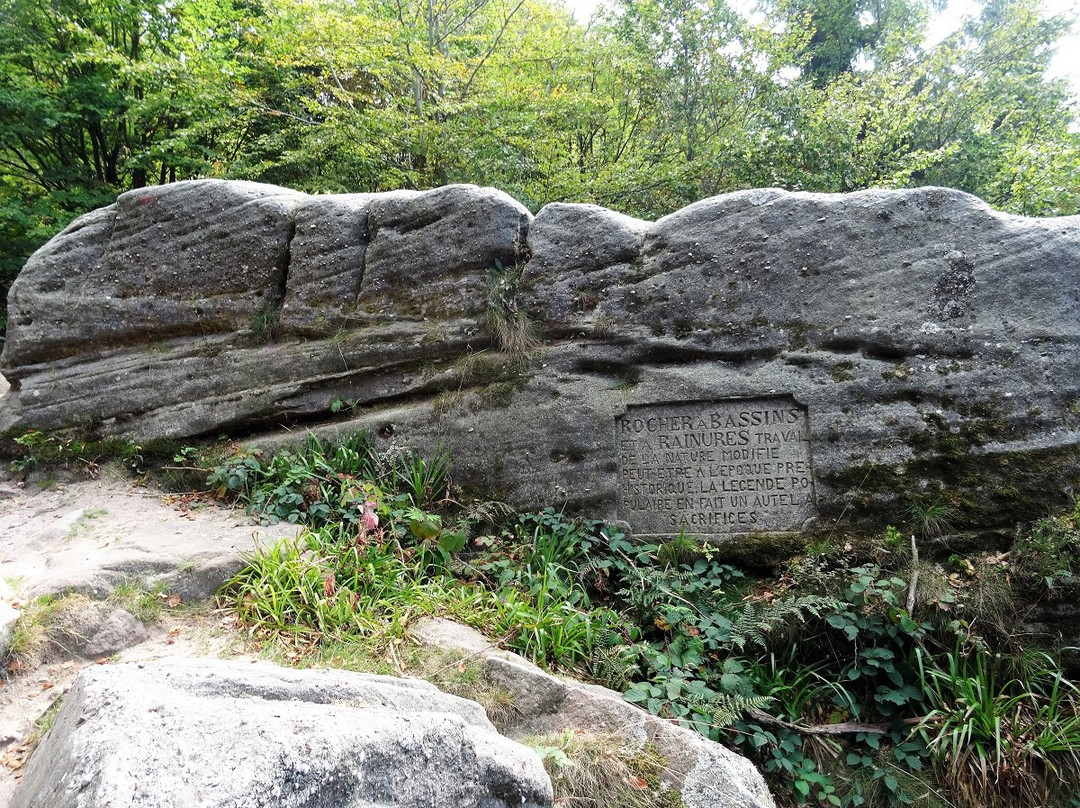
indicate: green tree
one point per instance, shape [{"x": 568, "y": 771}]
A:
[
  {"x": 98, "y": 98},
  {"x": 660, "y": 103},
  {"x": 1006, "y": 130},
  {"x": 844, "y": 32}
]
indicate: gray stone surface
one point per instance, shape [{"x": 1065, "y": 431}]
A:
[
  {"x": 431, "y": 253},
  {"x": 326, "y": 265},
  {"x": 704, "y": 773},
  {"x": 578, "y": 253},
  {"x": 96, "y": 631},
  {"x": 932, "y": 341},
  {"x": 190, "y": 259},
  {"x": 88, "y": 536},
  {"x": 213, "y": 733}
]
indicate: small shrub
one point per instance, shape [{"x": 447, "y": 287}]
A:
[{"x": 1048, "y": 553}]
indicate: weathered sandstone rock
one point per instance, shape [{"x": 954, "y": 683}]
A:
[
  {"x": 91, "y": 536},
  {"x": 215, "y": 733},
  {"x": 703, "y": 773},
  {"x": 190, "y": 259},
  {"x": 753, "y": 362}
]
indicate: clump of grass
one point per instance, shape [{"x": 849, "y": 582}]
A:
[
  {"x": 931, "y": 519},
  {"x": 266, "y": 325},
  {"x": 41, "y": 629},
  {"x": 509, "y": 326},
  {"x": 590, "y": 769},
  {"x": 462, "y": 675},
  {"x": 83, "y": 521},
  {"x": 331, "y": 582},
  {"x": 512, "y": 332},
  {"x": 35, "y": 450},
  {"x": 146, "y": 604},
  {"x": 1002, "y": 738},
  {"x": 43, "y": 723}
]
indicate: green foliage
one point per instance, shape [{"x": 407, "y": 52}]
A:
[
  {"x": 350, "y": 576},
  {"x": 314, "y": 484},
  {"x": 931, "y": 519},
  {"x": 1048, "y": 553},
  {"x": 929, "y": 713},
  {"x": 145, "y": 603},
  {"x": 97, "y": 99},
  {"x": 1001, "y": 733},
  {"x": 34, "y": 450},
  {"x": 425, "y": 480}
]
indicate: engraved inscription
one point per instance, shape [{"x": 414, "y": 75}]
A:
[{"x": 718, "y": 467}]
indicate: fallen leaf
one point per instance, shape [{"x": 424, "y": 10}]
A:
[
  {"x": 14, "y": 758},
  {"x": 638, "y": 783}
]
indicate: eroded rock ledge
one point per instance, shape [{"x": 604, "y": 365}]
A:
[{"x": 924, "y": 345}]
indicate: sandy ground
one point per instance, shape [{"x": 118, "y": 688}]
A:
[{"x": 85, "y": 535}]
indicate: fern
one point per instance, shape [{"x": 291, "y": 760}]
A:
[
  {"x": 753, "y": 626},
  {"x": 724, "y": 709},
  {"x": 614, "y": 667},
  {"x": 649, "y": 593}
]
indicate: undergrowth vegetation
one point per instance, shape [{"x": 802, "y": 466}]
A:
[{"x": 855, "y": 675}]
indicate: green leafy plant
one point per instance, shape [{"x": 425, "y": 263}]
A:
[
  {"x": 314, "y": 484},
  {"x": 36, "y": 449},
  {"x": 426, "y": 480},
  {"x": 998, "y": 739},
  {"x": 841, "y": 678},
  {"x": 1048, "y": 553}
]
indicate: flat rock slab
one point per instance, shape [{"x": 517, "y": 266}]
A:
[
  {"x": 88, "y": 536},
  {"x": 214, "y": 733}
]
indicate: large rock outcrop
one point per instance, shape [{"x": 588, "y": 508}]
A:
[
  {"x": 216, "y": 733},
  {"x": 753, "y": 362}
]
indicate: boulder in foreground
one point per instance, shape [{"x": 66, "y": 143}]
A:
[{"x": 220, "y": 734}]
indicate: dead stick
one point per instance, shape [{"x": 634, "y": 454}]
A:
[
  {"x": 914, "y": 576},
  {"x": 843, "y": 728}
]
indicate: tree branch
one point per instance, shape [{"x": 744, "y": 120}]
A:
[{"x": 843, "y": 728}]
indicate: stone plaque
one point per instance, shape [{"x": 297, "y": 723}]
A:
[{"x": 715, "y": 467}]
